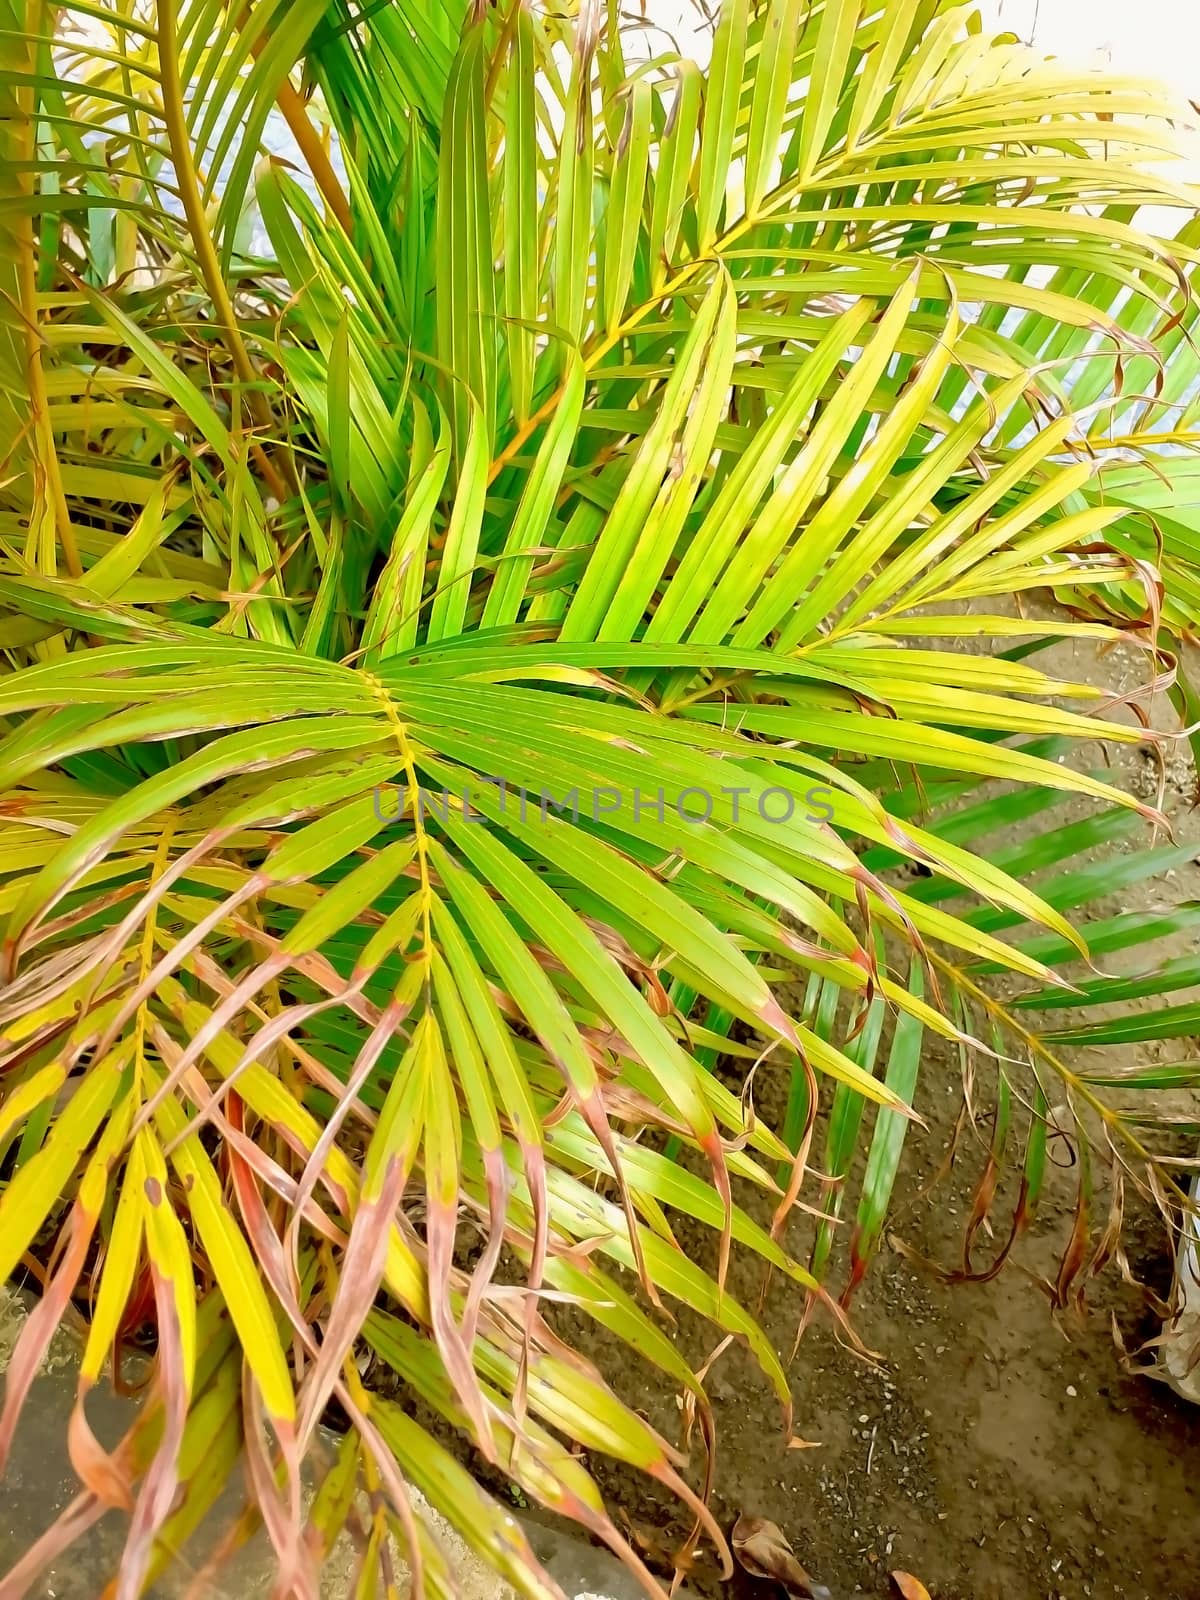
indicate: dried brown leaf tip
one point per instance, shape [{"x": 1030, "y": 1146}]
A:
[
  {"x": 908, "y": 1587},
  {"x": 762, "y": 1548}
]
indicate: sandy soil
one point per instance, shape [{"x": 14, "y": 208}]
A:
[
  {"x": 1000, "y": 1450},
  {"x": 992, "y": 1455}
]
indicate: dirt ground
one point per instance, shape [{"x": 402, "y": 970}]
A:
[
  {"x": 992, "y": 1456},
  {"x": 999, "y": 1450}
]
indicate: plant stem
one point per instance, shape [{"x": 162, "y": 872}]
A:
[
  {"x": 308, "y": 142},
  {"x": 45, "y": 456},
  {"x": 202, "y": 241}
]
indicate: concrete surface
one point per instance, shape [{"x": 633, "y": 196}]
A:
[{"x": 39, "y": 1483}]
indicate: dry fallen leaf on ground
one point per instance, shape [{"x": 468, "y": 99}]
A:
[
  {"x": 763, "y": 1550},
  {"x": 909, "y": 1587}
]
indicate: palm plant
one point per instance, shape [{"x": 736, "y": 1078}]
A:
[{"x": 459, "y": 587}]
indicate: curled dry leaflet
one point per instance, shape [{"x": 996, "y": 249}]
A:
[
  {"x": 763, "y": 1550},
  {"x": 908, "y": 1587}
]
